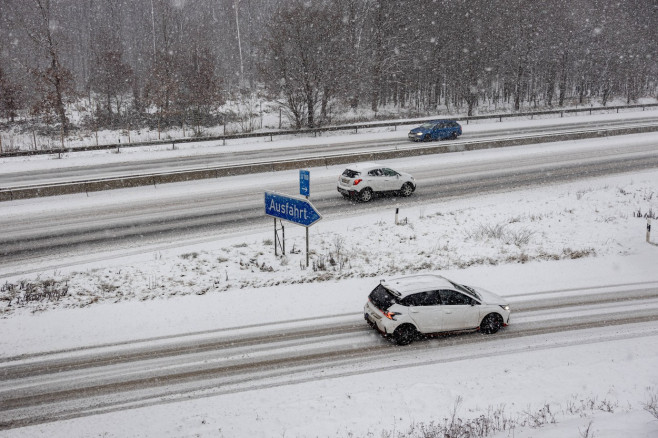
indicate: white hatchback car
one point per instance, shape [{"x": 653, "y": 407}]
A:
[
  {"x": 406, "y": 307},
  {"x": 363, "y": 180}
]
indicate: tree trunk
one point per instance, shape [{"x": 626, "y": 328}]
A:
[{"x": 517, "y": 97}]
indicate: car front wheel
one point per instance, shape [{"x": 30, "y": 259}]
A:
[
  {"x": 365, "y": 195},
  {"x": 405, "y": 334},
  {"x": 491, "y": 323},
  {"x": 406, "y": 190}
]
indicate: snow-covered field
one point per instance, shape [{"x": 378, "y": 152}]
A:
[{"x": 581, "y": 235}]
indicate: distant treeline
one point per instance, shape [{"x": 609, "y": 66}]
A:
[{"x": 177, "y": 61}]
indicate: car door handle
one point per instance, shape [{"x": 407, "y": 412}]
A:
[{"x": 448, "y": 311}]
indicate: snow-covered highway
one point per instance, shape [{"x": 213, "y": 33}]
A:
[
  {"x": 59, "y": 385},
  {"x": 86, "y": 166},
  {"x": 46, "y": 231}
]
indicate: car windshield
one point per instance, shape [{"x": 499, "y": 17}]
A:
[
  {"x": 351, "y": 173},
  {"x": 469, "y": 290},
  {"x": 382, "y": 297},
  {"x": 428, "y": 125}
]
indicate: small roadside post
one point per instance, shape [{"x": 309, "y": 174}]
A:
[{"x": 648, "y": 230}]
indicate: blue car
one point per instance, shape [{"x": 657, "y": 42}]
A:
[{"x": 436, "y": 130}]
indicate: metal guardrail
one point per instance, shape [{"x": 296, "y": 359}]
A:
[
  {"x": 315, "y": 131},
  {"x": 413, "y": 149}
]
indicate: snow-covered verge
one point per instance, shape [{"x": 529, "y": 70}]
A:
[
  {"x": 570, "y": 221},
  {"x": 557, "y": 237}
]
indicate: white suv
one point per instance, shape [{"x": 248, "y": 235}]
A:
[
  {"x": 404, "y": 308},
  {"x": 363, "y": 180}
]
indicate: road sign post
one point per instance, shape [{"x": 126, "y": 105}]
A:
[
  {"x": 305, "y": 190},
  {"x": 299, "y": 211}
]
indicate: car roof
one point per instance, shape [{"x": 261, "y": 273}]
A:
[
  {"x": 412, "y": 284},
  {"x": 364, "y": 166}
]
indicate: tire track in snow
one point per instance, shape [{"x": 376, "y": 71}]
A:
[{"x": 50, "y": 390}]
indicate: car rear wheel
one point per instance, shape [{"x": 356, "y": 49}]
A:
[
  {"x": 405, "y": 334},
  {"x": 491, "y": 323},
  {"x": 365, "y": 195},
  {"x": 406, "y": 190},
  {"x": 454, "y": 136}
]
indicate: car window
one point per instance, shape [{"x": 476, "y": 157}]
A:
[
  {"x": 382, "y": 298},
  {"x": 375, "y": 172},
  {"x": 454, "y": 298},
  {"x": 430, "y": 298},
  {"x": 389, "y": 172}
]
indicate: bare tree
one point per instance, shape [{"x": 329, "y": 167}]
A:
[
  {"x": 10, "y": 96},
  {"x": 111, "y": 78},
  {"x": 55, "y": 79},
  {"x": 296, "y": 51},
  {"x": 200, "y": 86}
]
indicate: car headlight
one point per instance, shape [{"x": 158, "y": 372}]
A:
[{"x": 505, "y": 307}]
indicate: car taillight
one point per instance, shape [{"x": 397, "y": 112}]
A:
[
  {"x": 391, "y": 315},
  {"x": 357, "y": 181}
]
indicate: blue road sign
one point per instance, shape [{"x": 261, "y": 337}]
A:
[
  {"x": 304, "y": 182},
  {"x": 299, "y": 211}
]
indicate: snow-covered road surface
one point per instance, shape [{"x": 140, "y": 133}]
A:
[
  {"x": 54, "y": 386},
  {"x": 80, "y": 166},
  {"x": 47, "y": 231}
]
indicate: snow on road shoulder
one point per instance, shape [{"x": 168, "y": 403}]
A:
[{"x": 590, "y": 218}]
